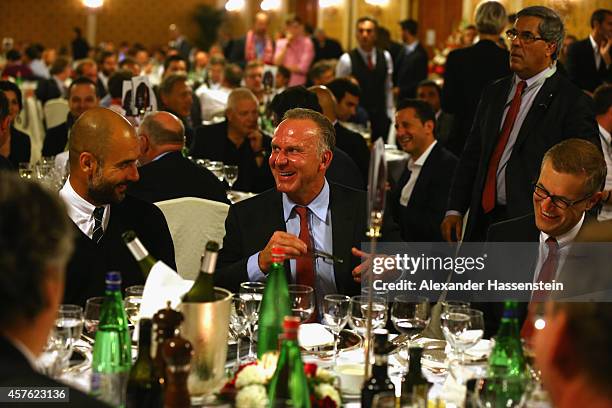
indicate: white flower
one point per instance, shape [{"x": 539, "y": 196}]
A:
[
  {"x": 252, "y": 396},
  {"x": 324, "y": 376},
  {"x": 327, "y": 390},
  {"x": 249, "y": 375}
]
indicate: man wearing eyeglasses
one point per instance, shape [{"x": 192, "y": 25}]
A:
[{"x": 518, "y": 119}]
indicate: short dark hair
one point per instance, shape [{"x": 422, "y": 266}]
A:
[
  {"x": 4, "y": 108},
  {"x": 13, "y": 55},
  {"x": 579, "y": 157},
  {"x": 59, "y": 65},
  {"x": 599, "y": 16},
  {"x": 115, "y": 82},
  {"x": 602, "y": 98},
  {"x": 422, "y": 109},
  {"x": 173, "y": 58},
  {"x": 81, "y": 81},
  {"x": 430, "y": 83},
  {"x": 340, "y": 86},
  {"x": 127, "y": 61},
  {"x": 166, "y": 86},
  {"x": 35, "y": 233},
  {"x": 233, "y": 75},
  {"x": 294, "y": 97},
  {"x": 34, "y": 51},
  {"x": 284, "y": 71},
  {"x": 10, "y": 86},
  {"x": 104, "y": 55},
  {"x": 551, "y": 28},
  {"x": 80, "y": 64},
  {"x": 367, "y": 18},
  {"x": 411, "y": 26}
]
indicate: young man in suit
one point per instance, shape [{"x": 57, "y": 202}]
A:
[
  {"x": 303, "y": 205},
  {"x": 518, "y": 119},
  {"x": 37, "y": 240},
  {"x": 104, "y": 149},
  {"x": 165, "y": 173},
  {"x": 589, "y": 61},
  {"x": 419, "y": 199},
  {"x": 411, "y": 67}
]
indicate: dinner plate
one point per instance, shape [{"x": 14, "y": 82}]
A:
[{"x": 349, "y": 340}]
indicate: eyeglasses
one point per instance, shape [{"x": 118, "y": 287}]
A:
[
  {"x": 526, "y": 37},
  {"x": 558, "y": 201}
]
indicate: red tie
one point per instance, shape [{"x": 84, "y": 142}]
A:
[
  {"x": 370, "y": 62},
  {"x": 304, "y": 264},
  {"x": 490, "y": 187},
  {"x": 547, "y": 274}
]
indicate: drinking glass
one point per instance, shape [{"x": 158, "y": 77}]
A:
[
  {"x": 239, "y": 321},
  {"x": 410, "y": 314},
  {"x": 446, "y": 304},
  {"x": 132, "y": 308},
  {"x": 252, "y": 293},
  {"x": 216, "y": 167},
  {"x": 230, "y": 172},
  {"x": 462, "y": 328},
  {"x": 504, "y": 392},
  {"x": 68, "y": 327},
  {"x": 358, "y": 310},
  {"x": 302, "y": 301},
  {"x": 136, "y": 290},
  {"x": 25, "y": 170},
  {"x": 335, "y": 315},
  {"x": 93, "y": 307}
]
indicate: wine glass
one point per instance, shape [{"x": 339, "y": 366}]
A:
[
  {"x": 93, "y": 307},
  {"x": 500, "y": 392},
  {"x": 335, "y": 316},
  {"x": 132, "y": 308},
  {"x": 358, "y": 310},
  {"x": 239, "y": 321},
  {"x": 251, "y": 293},
  {"x": 302, "y": 301},
  {"x": 230, "y": 172},
  {"x": 216, "y": 168},
  {"x": 410, "y": 315},
  {"x": 446, "y": 304},
  {"x": 463, "y": 328}
]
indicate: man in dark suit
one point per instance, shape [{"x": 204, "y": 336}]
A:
[
  {"x": 303, "y": 205},
  {"x": 571, "y": 178},
  {"x": 81, "y": 97},
  {"x": 411, "y": 67},
  {"x": 589, "y": 61},
  {"x": 469, "y": 70},
  {"x": 179, "y": 42},
  {"x": 352, "y": 143},
  {"x": 325, "y": 47},
  {"x": 518, "y": 119},
  {"x": 165, "y": 173},
  {"x": 104, "y": 149},
  {"x": 36, "y": 240},
  {"x": 430, "y": 92},
  {"x": 238, "y": 141},
  {"x": 54, "y": 87},
  {"x": 419, "y": 199}
]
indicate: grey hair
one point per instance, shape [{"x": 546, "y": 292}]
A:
[
  {"x": 239, "y": 94},
  {"x": 327, "y": 133},
  {"x": 490, "y": 17},
  {"x": 165, "y": 88},
  {"x": 551, "y": 28},
  {"x": 158, "y": 134}
]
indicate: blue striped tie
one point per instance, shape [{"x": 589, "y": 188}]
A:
[{"x": 98, "y": 231}]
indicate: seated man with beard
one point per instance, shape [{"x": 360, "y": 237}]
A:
[{"x": 103, "y": 150}]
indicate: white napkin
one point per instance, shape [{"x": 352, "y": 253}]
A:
[
  {"x": 162, "y": 285},
  {"x": 311, "y": 335}
]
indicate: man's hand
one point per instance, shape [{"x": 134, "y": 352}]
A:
[
  {"x": 291, "y": 245},
  {"x": 362, "y": 267},
  {"x": 451, "y": 224},
  {"x": 256, "y": 140}
]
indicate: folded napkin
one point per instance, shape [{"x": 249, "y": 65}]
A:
[
  {"x": 313, "y": 335},
  {"x": 162, "y": 285}
]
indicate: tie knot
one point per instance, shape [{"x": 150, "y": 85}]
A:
[
  {"x": 521, "y": 87},
  {"x": 98, "y": 213},
  {"x": 301, "y": 211},
  {"x": 552, "y": 244}
]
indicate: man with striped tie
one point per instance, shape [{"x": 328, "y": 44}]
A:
[{"x": 103, "y": 150}]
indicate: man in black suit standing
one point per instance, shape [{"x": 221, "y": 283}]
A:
[
  {"x": 411, "y": 67},
  {"x": 81, "y": 97},
  {"x": 419, "y": 199},
  {"x": 104, "y": 149},
  {"x": 325, "y": 47},
  {"x": 589, "y": 61},
  {"x": 37, "y": 240},
  {"x": 469, "y": 70},
  {"x": 304, "y": 204},
  {"x": 430, "y": 92},
  {"x": 238, "y": 141},
  {"x": 518, "y": 119},
  {"x": 165, "y": 173}
]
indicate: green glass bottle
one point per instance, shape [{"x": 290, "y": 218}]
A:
[
  {"x": 143, "y": 389},
  {"x": 203, "y": 289},
  {"x": 379, "y": 382},
  {"x": 506, "y": 359},
  {"x": 140, "y": 253},
  {"x": 274, "y": 305},
  {"x": 289, "y": 381},
  {"x": 415, "y": 386},
  {"x": 112, "y": 353}
]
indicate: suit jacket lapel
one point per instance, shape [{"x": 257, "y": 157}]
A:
[
  {"x": 342, "y": 236},
  {"x": 420, "y": 188}
]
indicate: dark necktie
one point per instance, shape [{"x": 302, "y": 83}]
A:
[
  {"x": 98, "y": 231},
  {"x": 490, "y": 186},
  {"x": 304, "y": 264},
  {"x": 370, "y": 62},
  {"x": 547, "y": 274}
]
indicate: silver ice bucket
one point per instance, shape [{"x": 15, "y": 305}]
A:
[{"x": 206, "y": 326}]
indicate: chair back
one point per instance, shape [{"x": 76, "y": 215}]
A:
[
  {"x": 192, "y": 222},
  {"x": 56, "y": 111}
]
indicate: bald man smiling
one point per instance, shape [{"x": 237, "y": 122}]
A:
[{"x": 103, "y": 151}]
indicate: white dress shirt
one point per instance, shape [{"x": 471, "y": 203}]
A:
[
  {"x": 564, "y": 242},
  {"x": 81, "y": 211},
  {"x": 414, "y": 166},
  {"x": 606, "y": 147}
]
